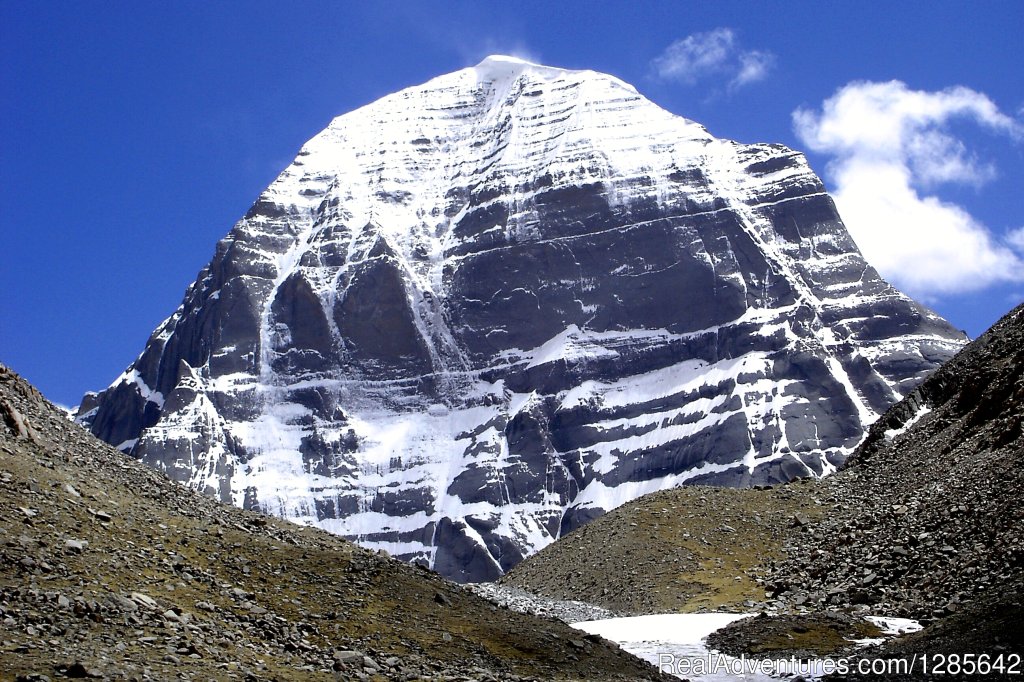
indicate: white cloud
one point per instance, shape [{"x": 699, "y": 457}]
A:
[
  {"x": 891, "y": 148},
  {"x": 712, "y": 54},
  {"x": 1015, "y": 238},
  {"x": 754, "y": 66}
]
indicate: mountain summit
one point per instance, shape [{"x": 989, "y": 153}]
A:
[{"x": 481, "y": 311}]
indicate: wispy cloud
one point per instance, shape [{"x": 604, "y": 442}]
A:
[
  {"x": 754, "y": 66},
  {"x": 474, "y": 49},
  {"x": 714, "y": 54},
  {"x": 892, "y": 147}
]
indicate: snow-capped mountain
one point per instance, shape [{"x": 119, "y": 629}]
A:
[{"x": 479, "y": 312}]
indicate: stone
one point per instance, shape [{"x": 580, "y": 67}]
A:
[
  {"x": 75, "y": 546},
  {"x": 348, "y": 655},
  {"x": 144, "y": 600},
  {"x": 80, "y": 671},
  {"x": 125, "y": 604}
]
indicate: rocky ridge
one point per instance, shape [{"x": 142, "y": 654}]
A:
[
  {"x": 109, "y": 570},
  {"x": 924, "y": 522},
  {"x": 927, "y": 515},
  {"x": 480, "y": 312}
]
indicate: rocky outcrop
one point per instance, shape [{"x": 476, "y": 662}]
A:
[{"x": 482, "y": 311}]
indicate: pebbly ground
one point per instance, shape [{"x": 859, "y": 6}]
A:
[
  {"x": 109, "y": 570},
  {"x": 567, "y": 611}
]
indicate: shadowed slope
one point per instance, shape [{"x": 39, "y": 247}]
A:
[{"x": 108, "y": 568}]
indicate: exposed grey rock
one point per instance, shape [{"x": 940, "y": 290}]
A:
[
  {"x": 75, "y": 546},
  {"x": 567, "y": 611},
  {"x": 347, "y": 655},
  {"x": 144, "y": 600}
]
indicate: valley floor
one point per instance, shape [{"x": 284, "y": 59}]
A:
[{"x": 720, "y": 647}]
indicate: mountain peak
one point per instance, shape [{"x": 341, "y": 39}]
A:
[
  {"x": 479, "y": 312},
  {"x": 497, "y": 67},
  {"x": 495, "y": 59}
]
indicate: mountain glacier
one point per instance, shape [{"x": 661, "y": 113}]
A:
[{"x": 479, "y": 312}]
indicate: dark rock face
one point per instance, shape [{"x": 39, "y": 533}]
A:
[
  {"x": 377, "y": 320},
  {"x": 482, "y": 311}
]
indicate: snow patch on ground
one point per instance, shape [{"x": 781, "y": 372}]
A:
[
  {"x": 674, "y": 642},
  {"x": 663, "y": 639},
  {"x": 891, "y": 434},
  {"x": 667, "y": 639}
]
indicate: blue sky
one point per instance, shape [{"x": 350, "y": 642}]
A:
[{"x": 134, "y": 134}]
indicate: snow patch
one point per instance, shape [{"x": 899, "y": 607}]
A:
[
  {"x": 891, "y": 434},
  {"x": 675, "y": 643}
]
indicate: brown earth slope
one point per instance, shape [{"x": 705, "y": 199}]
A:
[
  {"x": 682, "y": 550},
  {"x": 109, "y": 570}
]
